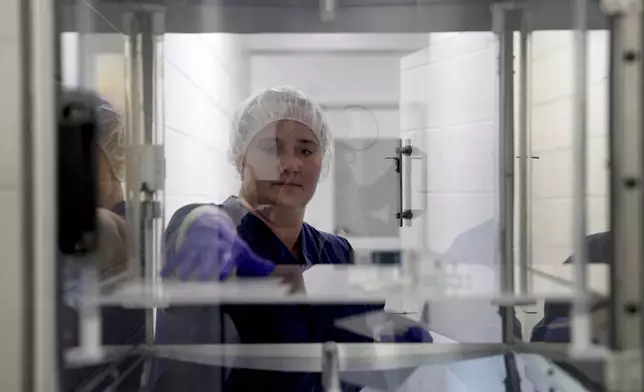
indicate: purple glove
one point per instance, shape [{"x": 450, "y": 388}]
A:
[
  {"x": 411, "y": 335},
  {"x": 210, "y": 247}
]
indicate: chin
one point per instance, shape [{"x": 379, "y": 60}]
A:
[{"x": 288, "y": 202}]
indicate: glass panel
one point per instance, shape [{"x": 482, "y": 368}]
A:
[{"x": 229, "y": 290}]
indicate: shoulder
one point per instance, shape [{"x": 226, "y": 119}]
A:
[
  {"x": 337, "y": 249},
  {"x": 599, "y": 249}
]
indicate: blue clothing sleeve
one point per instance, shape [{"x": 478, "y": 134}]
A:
[{"x": 328, "y": 314}]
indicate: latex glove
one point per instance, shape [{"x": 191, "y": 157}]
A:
[
  {"x": 209, "y": 247},
  {"x": 410, "y": 335}
]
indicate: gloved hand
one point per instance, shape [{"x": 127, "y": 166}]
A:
[
  {"x": 410, "y": 335},
  {"x": 208, "y": 247}
]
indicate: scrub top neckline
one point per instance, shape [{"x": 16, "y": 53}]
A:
[{"x": 252, "y": 225}]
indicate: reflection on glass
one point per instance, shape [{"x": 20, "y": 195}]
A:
[{"x": 257, "y": 202}]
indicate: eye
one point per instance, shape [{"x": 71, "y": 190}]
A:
[
  {"x": 270, "y": 149},
  {"x": 306, "y": 152}
]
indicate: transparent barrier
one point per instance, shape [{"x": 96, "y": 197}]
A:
[{"x": 433, "y": 152}]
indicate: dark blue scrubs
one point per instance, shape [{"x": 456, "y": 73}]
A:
[
  {"x": 120, "y": 327},
  {"x": 256, "y": 323},
  {"x": 599, "y": 252}
]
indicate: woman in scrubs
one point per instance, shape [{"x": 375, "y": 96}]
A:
[
  {"x": 120, "y": 326},
  {"x": 281, "y": 145}
]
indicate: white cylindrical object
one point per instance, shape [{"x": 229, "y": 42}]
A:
[{"x": 89, "y": 314}]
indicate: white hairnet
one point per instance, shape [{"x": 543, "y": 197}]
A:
[
  {"x": 272, "y": 105},
  {"x": 111, "y": 138}
]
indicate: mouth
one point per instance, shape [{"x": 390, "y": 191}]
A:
[{"x": 286, "y": 184}]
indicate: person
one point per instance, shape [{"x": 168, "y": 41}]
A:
[
  {"x": 280, "y": 146},
  {"x": 120, "y": 326},
  {"x": 553, "y": 327}
]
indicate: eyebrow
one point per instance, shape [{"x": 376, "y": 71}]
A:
[
  {"x": 307, "y": 141},
  {"x": 301, "y": 140}
]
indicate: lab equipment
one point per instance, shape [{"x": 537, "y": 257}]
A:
[
  {"x": 628, "y": 81},
  {"x": 272, "y": 105},
  {"x": 118, "y": 326},
  {"x": 77, "y": 198},
  {"x": 203, "y": 241}
]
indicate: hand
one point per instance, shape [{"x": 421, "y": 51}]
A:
[
  {"x": 292, "y": 276},
  {"x": 410, "y": 335},
  {"x": 210, "y": 248}
]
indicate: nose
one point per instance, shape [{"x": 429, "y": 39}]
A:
[{"x": 289, "y": 163}]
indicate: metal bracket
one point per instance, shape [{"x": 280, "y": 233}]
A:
[
  {"x": 327, "y": 10},
  {"x": 330, "y": 368},
  {"x": 152, "y": 167}
]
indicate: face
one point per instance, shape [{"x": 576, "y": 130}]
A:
[{"x": 282, "y": 165}]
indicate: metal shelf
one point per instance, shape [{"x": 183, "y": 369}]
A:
[{"x": 352, "y": 284}]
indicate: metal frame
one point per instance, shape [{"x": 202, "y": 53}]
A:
[
  {"x": 287, "y": 16},
  {"x": 626, "y": 126},
  {"x": 627, "y": 199},
  {"x": 40, "y": 356},
  {"x": 506, "y": 161}
]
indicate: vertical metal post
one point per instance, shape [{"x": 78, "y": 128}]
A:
[
  {"x": 523, "y": 158},
  {"x": 134, "y": 136},
  {"x": 42, "y": 367},
  {"x": 581, "y": 336},
  {"x": 627, "y": 201},
  {"x": 506, "y": 162},
  {"x": 145, "y": 175},
  {"x": 330, "y": 368},
  {"x": 147, "y": 216}
]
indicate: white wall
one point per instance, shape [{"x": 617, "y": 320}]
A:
[
  {"x": 552, "y": 137},
  {"x": 448, "y": 105},
  {"x": 339, "y": 71},
  {"x": 205, "y": 80},
  {"x": 10, "y": 197}
]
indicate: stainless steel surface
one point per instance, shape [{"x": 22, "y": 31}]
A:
[
  {"x": 392, "y": 16},
  {"x": 506, "y": 159},
  {"x": 524, "y": 154},
  {"x": 41, "y": 268},
  {"x": 307, "y": 357},
  {"x": 581, "y": 335},
  {"x": 355, "y": 284},
  {"x": 626, "y": 183},
  {"x": 330, "y": 368},
  {"x": 626, "y": 191}
]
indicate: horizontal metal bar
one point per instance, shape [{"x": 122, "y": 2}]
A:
[{"x": 405, "y": 18}]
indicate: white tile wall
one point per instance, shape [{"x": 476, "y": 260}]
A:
[
  {"x": 552, "y": 137},
  {"x": 206, "y": 78},
  {"x": 10, "y": 200},
  {"x": 332, "y": 78},
  {"x": 448, "y": 91}
]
